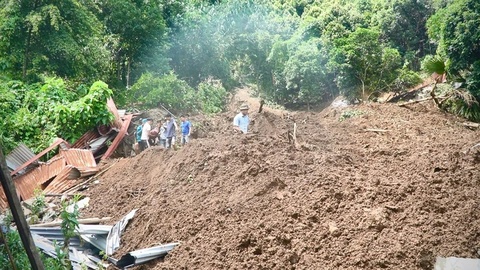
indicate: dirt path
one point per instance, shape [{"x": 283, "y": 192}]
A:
[{"x": 346, "y": 198}]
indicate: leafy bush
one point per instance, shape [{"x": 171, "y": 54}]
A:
[
  {"x": 463, "y": 104},
  {"x": 349, "y": 114},
  {"x": 167, "y": 90},
  {"x": 212, "y": 96},
  {"x": 406, "y": 79},
  {"x": 15, "y": 245},
  {"x": 37, "y": 113},
  {"x": 433, "y": 63}
]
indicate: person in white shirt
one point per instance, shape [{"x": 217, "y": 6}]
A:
[
  {"x": 241, "y": 120},
  {"x": 145, "y": 134}
]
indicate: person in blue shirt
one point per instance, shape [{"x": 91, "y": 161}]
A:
[
  {"x": 241, "y": 120},
  {"x": 186, "y": 128}
]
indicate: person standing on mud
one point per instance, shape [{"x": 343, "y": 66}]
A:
[
  {"x": 145, "y": 134},
  {"x": 171, "y": 130},
  {"x": 186, "y": 128},
  {"x": 163, "y": 135},
  {"x": 241, "y": 120}
]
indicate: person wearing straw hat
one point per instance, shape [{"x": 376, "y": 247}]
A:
[{"x": 241, "y": 120}]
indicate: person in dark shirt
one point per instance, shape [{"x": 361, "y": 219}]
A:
[{"x": 171, "y": 130}]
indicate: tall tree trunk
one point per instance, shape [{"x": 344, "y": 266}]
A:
[
  {"x": 128, "y": 72},
  {"x": 26, "y": 52}
]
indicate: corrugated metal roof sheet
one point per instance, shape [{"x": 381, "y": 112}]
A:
[
  {"x": 87, "y": 171},
  {"x": 98, "y": 143},
  {"x": 19, "y": 156},
  {"x": 119, "y": 138},
  {"x": 3, "y": 199},
  {"x": 117, "y": 121},
  {"x": 27, "y": 183},
  {"x": 52, "y": 168},
  {"x": 56, "y": 143},
  {"x": 79, "y": 157},
  {"x": 64, "y": 180},
  {"x": 82, "y": 142}
]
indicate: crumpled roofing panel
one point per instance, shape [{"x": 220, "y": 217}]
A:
[
  {"x": 79, "y": 157},
  {"x": 86, "y": 138},
  {"x": 18, "y": 156},
  {"x": 28, "y": 182},
  {"x": 64, "y": 180},
  {"x": 3, "y": 199}
]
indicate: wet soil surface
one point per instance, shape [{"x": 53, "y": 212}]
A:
[{"x": 388, "y": 188}]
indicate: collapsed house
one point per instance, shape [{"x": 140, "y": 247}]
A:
[{"x": 73, "y": 163}]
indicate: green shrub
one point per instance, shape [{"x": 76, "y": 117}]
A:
[
  {"x": 212, "y": 96},
  {"x": 167, "y": 90},
  {"x": 349, "y": 114}
]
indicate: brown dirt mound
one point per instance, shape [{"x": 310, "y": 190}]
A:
[{"x": 345, "y": 198}]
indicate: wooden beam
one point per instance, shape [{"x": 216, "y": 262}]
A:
[
  {"x": 80, "y": 221},
  {"x": 18, "y": 215},
  {"x": 376, "y": 130}
]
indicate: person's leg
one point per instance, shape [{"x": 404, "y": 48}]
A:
[
  {"x": 169, "y": 142},
  {"x": 183, "y": 140},
  {"x": 187, "y": 138}
]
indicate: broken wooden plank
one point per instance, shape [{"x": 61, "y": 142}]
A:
[
  {"x": 471, "y": 125},
  {"x": 415, "y": 101},
  {"x": 376, "y": 130},
  {"x": 80, "y": 221}
]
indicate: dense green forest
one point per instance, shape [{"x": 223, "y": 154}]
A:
[{"x": 61, "y": 59}]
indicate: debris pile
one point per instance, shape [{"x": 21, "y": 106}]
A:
[
  {"x": 91, "y": 241},
  {"x": 346, "y": 195}
]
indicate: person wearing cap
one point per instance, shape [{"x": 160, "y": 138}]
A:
[
  {"x": 147, "y": 126},
  {"x": 241, "y": 120}
]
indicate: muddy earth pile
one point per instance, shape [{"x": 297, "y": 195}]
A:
[{"x": 386, "y": 188}]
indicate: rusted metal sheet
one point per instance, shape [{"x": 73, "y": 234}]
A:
[
  {"x": 27, "y": 183},
  {"x": 97, "y": 144},
  {"x": 117, "y": 121},
  {"x": 87, "y": 171},
  {"x": 64, "y": 180},
  {"x": 79, "y": 157},
  {"x": 52, "y": 168},
  {"x": 83, "y": 142},
  {"x": 3, "y": 199},
  {"x": 119, "y": 138},
  {"x": 57, "y": 142},
  {"x": 18, "y": 156}
]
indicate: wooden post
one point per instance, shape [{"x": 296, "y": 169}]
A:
[{"x": 18, "y": 215}]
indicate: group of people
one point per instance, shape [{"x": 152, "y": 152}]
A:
[{"x": 163, "y": 134}]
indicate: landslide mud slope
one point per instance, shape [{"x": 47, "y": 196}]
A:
[{"x": 343, "y": 198}]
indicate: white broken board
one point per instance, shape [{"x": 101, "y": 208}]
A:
[{"x": 454, "y": 263}]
